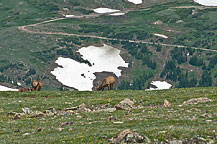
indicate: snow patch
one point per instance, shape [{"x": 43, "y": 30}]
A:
[
  {"x": 117, "y": 14},
  {"x": 135, "y": 1},
  {"x": 207, "y": 2},
  {"x": 3, "y": 88},
  {"x": 81, "y": 75},
  {"x": 160, "y": 85},
  {"x": 19, "y": 84},
  {"x": 105, "y": 10},
  {"x": 160, "y": 35},
  {"x": 69, "y": 16}
]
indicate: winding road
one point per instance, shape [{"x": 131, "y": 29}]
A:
[{"x": 24, "y": 28}]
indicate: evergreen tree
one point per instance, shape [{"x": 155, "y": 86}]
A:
[{"x": 206, "y": 79}]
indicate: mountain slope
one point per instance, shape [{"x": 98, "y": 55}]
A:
[
  {"x": 30, "y": 43},
  {"x": 91, "y": 117}
]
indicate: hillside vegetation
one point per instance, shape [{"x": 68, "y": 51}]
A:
[
  {"x": 187, "y": 58},
  {"x": 188, "y": 116}
]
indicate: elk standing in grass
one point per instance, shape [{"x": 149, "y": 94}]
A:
[
  {"x": 107, "y": 82},
  {"x": 24, "y": 89},
  {"x": 36, "y": 85}
]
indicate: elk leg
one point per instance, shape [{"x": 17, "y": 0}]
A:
[{"x": 111, "y": 86}]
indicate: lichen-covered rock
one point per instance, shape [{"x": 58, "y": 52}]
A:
[{"x": 195, "y": 101}]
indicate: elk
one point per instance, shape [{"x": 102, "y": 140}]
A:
[
  {"x": 36, "y": 85},
  {"x": 24, "y": 89},
  {"x": 107, "y": 82}
]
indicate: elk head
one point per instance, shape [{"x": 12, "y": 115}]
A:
[
  {"x": 36, "y": 85},
  {"x": 107, "y": 82}
]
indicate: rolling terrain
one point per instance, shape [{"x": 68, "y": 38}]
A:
[
  {"x": 161, "y": 40},
  {"x": 168, "y": 116}
]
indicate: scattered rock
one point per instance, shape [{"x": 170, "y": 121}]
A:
[
  {"x": 126, "y": 104},
  {"x": 197, "y": 140},
  {"x": 26, "y": 134},
  {"x": 40, "y": 129},
  {"x": 118, "y": 122},
  {"x": 195, "y": 109},
  {"x": 106, "y": 110},
  {"x": 62, "y": 113},
  {"x": 78, "y": 116},
  {"x": 175, "y": 142},
  {"x": 158, "y": 22},
  {"x": 127, "y": 136},
  {"x": 70, "y": 129},
  {"x": 18, "y": 130},
  {"x": 196, "y": 101},
  {"x": 112, "y": 118},
  {"x": 66, "y": 123},
  {"x": 83, "y": 108},
  {"x": 179, "y": 21},
  {"x": 48, "y": 113},
  {"x": 60, "y": 129},
  {"x": 38, "y": 114},
  {"x": 71, "y": 109},
  {"x": 166, "y": 103},
  {"x": 206, "y": 115},
  {"x": 18, "y": 115},
  {"x": 27, "y": 111},
  {"x": 11, "y": 113},
  {"x": 121, "y": 136},
  {"x": 208, "y": 121}
]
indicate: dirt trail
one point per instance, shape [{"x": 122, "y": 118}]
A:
[
  {"x": 197, "y": 7},
  {"x": 23, "y": 28}
]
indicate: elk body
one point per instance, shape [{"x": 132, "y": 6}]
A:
[
  {"x": 107, "y": 82},
  {"x": 24, "y": 89},
  {"x": 36, "y": 85}
]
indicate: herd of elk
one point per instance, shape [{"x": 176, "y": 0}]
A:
[
  {"x": 107, "y": 82},
  {"x": 36, "y": 86}
]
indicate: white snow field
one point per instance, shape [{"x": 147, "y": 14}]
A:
[
  {"x": 117, "y": 14},
  {"x": 161, "y": 85},
  {"x": 135, "y": 1},
  {"x": 207, "y": 2},
  {"x": 69, "y": 16},
  {"x": 3, "y": 88},
  {"x": 105, "y": 10},
  {"x": 81, "y": 75},
  {"x": 160, "y": 35}
]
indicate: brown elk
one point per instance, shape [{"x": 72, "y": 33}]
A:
[
  {"x": 36, "y": 85},
  {"x": 107, "y": 82},
  {"x": 24, "y": 89}
]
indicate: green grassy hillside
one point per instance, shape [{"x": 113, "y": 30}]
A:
[
  {"x": 186, "y": 59},
  {"x": 90, "y": 117}
]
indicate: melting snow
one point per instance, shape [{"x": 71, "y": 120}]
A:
[
  {"x": 160, "y": 85},
  {"x": 207, "y": 2},
  {"x": 135, "y": 1},
  {"x": 19, "y": 84},
  {"x": 69, "y": 16},
  {"x": 160, "y": 35},
  {"x": 117, "y": 14},
  {"x": 81, "y": 75},
  {"x": 3, "y": 88},
  {"x": 105, "y": 10}
]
